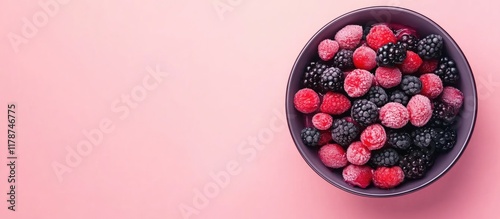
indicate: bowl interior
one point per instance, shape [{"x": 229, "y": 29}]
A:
[{"x": 424, "y": 26}]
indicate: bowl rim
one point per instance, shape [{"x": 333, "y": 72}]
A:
[{"x": 389, "y": 193}]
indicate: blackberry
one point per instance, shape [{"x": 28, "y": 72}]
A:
[
  {"x": 310, "y": 136},
  {"x": 447, "y": 71},
  {"x": 424, "y": 137},
  {"x": 391, "y": 54},
  {"x": 399, "y": 97},
  {"x": 312, "y": 77},
  {"x": 343, "y": 59},
  {"x": 411, "y": 85},
  {"x": 344, "y": 132},
  {"x": 366, "y": 29},
  {"x": 377, "y": 95},
  {"x": 430, "y": 47},
  {"x": 416, "y": 163},
  {"x": 399, "y": 139},
  {"x": 364, "y": 112},
  {"x": 446, "y": 139},
  {"x": 385, "y": 157},
  {"x": 332, "y": 80},
  {"x": 443, "y": 113},
  {"x": 409, "y": 42}
]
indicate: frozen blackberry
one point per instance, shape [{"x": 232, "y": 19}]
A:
[
  {"x": 310, "y": 136},
  {"x": 364, "y": 112},
  {"x": 312, "y": 77},
  {"x": 343, "y": 59},
  {"x": 344, "y": 132},
  {"x": 399, "y": 96},
  {"x": 443, "y": 113},
  {"x": 366, "y": 29},
  {"x": 446, "y": 139},
  {"x": 409, "y": 42},
  {"x": 385, "y": 157},
  {"x": 411, "y": 85},
  {"x": 430, "y": 47},
  {"x": 332, "y": 80},
  {"x": 391, "y": 54},
  {"x": 377, "y": 95},
  {"x": 399, "y": 139},
  {"x": 447, "y": 71},
  {"x": 416, "y": 163},
  {"x": 424, "y": 137}
]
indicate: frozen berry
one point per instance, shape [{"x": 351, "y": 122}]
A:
[
  {"x": 344, "y": 132},
  {"x": 377, "y": 95},
  {"x": 306, "y": 100},
  {"x": 374, "y": 137},
  {"x": 325, "y": 137},
  {"x": 420, "y": 110},
  {"x": 430, "y": 47},
  {"x": 388, "y": 177},
  {"x": 343, "y": 59},
  {"x": 310, "y": 136},
  {"x": 399, "y": 96},
  {"x": 322, "y": 121},
  {"x": 380, "y": 35},
  {"x": 428, "y": 66},
  {"x": 391, "y": 54},
  {"x": 432, "y": 85},
  {"x": 364, "y": 58},
  {"x": 364, "y": 112},
  {"x": 360, "y": 176},
  {"x": 358, "y": 82},
  {"x": 411, "y": 85},
  {"x": 452, "y": 97},
  {"x": 327, "y": 49},
  {"x": 333, "y": 156},
  {"x": 335, "y": 103},
  {"x": 349, "y": 36},
  {"x": 358, "y": 154},
  {"x": 394, "y": 115},
  {"x": 388, "y": 77},
  {"x": 411, "y": 63}
]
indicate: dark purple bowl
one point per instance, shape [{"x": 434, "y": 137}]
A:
[{"x": 424, "y": 26}]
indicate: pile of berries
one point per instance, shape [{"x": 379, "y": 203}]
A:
[{"x": 381, "y": 105}]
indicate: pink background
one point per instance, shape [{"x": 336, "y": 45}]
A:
[{"x": 225, "y": 86}]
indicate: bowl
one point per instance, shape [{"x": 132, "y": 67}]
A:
[{"x": 424, "y": 26}]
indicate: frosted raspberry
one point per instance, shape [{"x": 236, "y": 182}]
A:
[
  {"x": 394, "y": 115},
  {"x": 335, "y": 103},
  {"x": 327, "y": 49},
  {"x": 452, "y": 97},
  {"x": 388, "y": 77},
  {"x": 360, "y": 176},
  {"x": 333, "y": 156},
  {"x": 411, "y": 63},
  {"x": 420, "y": 110},
  {"x": 364, "y": 58},
  {"x": 380, "y": 35},
  {"x": 358, "y": 154},
  {"x": 432, "y": 85},
  {"x": 349, "y": 36},
  {"x": 374, "y": 137},
  {"x": 388, "y": 177},
  {"x": 325, "y": 137},
  {"x": 306, "y": 100},
  {"x": 358, "y": 82},
  {"x": 428, "y": 66},
  {"x": 322, "y": 121}
]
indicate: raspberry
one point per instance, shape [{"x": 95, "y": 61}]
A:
[
  {"x": 358, "y": 82},
  {"x": 335, "y": 103},
  {"x": 364, "y": 58},
  {"x": 344, "y": 132},
  {"x": 388, "y": 77},
  {"x": 420, "y": 109},
  {"x": 432, "y": 85},
  {"x": 411, "y": 63},
  {"x": 333, "y": 156},
  {"x": 388, "y": 177},
  {"x": 428, "y": 66},
  {"x": 327, "y": 49},
  {"x": 374, "y": 137},
  {"x": 380, "y": 35},
  {"x": 452, "y": 97},
  {"x": 306, "y": 100},
  {"x": 349, "y": 36},
  {"x": 358, "y": 154},
  {"x": 360, "y": 176},
  {"x": 325, "y": 137},
  {"x": 322, "y": 121},
  {"x": 310, "y": 136},
  {"x": 394, "y": 115}
]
